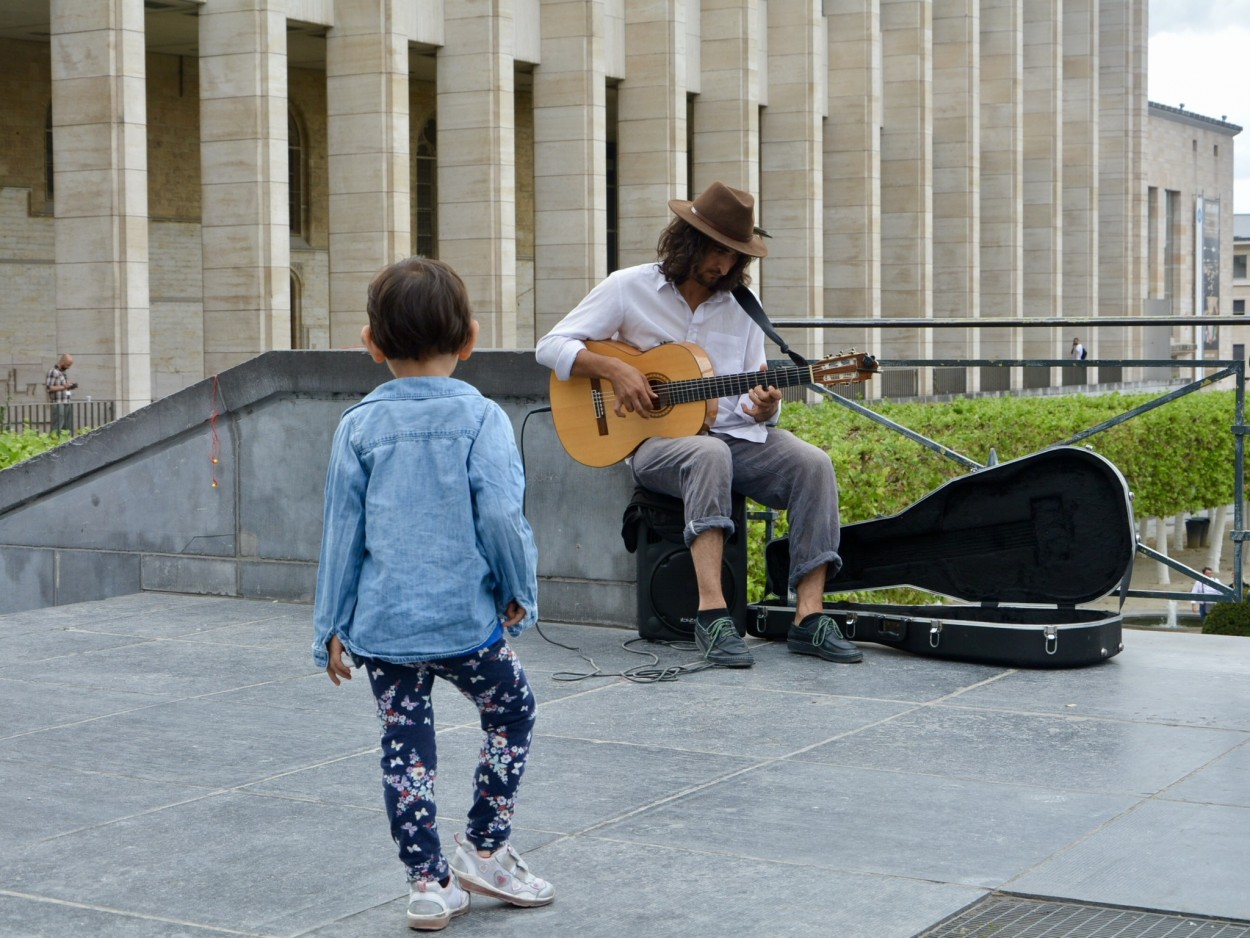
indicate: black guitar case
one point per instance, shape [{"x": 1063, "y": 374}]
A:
[{"x": 1021, "y": 544}]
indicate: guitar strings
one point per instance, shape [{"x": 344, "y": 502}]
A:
[{"x": 691, "y": 390}]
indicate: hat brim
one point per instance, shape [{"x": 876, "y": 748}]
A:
[{"x": 682, "y": 209}]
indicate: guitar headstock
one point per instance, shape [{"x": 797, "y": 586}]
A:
[{"x": 844, "y": 368}]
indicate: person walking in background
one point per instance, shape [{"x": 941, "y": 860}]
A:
[
  {"x": 412, "y": 594},
  {"x": 1078, "y": 350},
  {"x": 1203, "y": 589},
  {"x": 60, "y": 392}
]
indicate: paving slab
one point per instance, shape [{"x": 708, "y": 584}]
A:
[
  {"x": 195, "y": 742},
  {"x": 28, "y": 707},
  {"x": 1152, "y": 690},
  {"x": 1163, "y": 855},
  {"x": 1223, "y": 781},
  {"x": 230, "y": 860},
  {"x": 38, "y": 917},
  {"x": 701, "y": 716},
  {"x": 1060, "y": 752},
  {"x": 47, "y": 805},
  {"x": 844, "y": 819},
  {"x": 176, "y": 765}
]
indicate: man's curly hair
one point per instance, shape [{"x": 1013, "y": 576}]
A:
[{"x": 682, "y": 246}]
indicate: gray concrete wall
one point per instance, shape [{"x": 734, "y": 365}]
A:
[{"x": 131, "y": 506}]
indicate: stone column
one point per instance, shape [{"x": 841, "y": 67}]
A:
[
  {"x": 1042, "y": 281},
  {"x": 368, "y": 152},
  {"x": 651, "y": 125},
  {"x": 243, "y": 158},
  {"x": 1002, "y": 172},
  {"x": 1156, "y": 233},
  {"x": 956, "y": 173},
  {"x": 726, "y": 113},
  {"x": 1080, "y": 163},
  {"x": 907, "y": 174},
  {"x": 791, "y": 164},
  {"x": 477, "y": 161},
  {"x": 99, "y": 139},
  {"x": 1122, "y": 119},
  {"x": 570, "y": 160},
  {"x": 852, "y": 171}
]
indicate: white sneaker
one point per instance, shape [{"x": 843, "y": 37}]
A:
[
  {"x": 502, "y": 875},
  {"x": 431, "y": 906}
]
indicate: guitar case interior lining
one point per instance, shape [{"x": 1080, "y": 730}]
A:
[{"x": 1020, "y": 544}]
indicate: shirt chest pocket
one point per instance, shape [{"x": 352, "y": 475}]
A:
[{"x": 725, "y": 351}]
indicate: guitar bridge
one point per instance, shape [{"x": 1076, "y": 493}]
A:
[{"x": 596, "y": 399}]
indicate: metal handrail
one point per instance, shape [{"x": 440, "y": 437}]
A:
[
  {"x": 1225, "y": 368},
  {"x": 38, "y": 415}
]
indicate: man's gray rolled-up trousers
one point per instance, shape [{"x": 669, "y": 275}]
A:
[{"x": 783, "y": 472}]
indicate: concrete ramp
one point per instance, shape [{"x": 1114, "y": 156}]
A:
[{"x": 132, "y": 506}]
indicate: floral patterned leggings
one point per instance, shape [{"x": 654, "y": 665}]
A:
[{"x": 493, "y": 679}]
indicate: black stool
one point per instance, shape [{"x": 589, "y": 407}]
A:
[{"x": 668, "y": 595}]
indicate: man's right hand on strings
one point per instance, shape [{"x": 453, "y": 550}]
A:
[{"x": 630, "y": 387}]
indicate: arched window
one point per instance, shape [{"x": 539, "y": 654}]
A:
[
  {"x": 425, "y": 201},
  {"x": 297, "y": 179},
  {"x": 48, "y": 175}
]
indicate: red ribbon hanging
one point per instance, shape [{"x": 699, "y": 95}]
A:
[{"x": 215, "y": 455}]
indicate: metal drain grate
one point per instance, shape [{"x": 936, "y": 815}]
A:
[{"x": 1009, "y": 917}]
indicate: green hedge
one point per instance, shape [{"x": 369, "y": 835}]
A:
[
  {"x": 1178, "y": 457},
  {"x": 18, "y": 445},
  {"x": 1228, "y": 619}
]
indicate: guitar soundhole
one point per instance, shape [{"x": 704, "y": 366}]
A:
[{"x": 658, "y": 383}]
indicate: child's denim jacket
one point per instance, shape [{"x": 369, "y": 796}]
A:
[{"x": 424, "y": 539}]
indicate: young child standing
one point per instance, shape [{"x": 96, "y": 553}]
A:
[{"x": 426, "y": 558}]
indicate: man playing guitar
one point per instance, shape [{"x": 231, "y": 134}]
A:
[{"x": 686, "y": 296}]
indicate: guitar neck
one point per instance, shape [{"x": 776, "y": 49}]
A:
[{"x": 705, "y": 389}]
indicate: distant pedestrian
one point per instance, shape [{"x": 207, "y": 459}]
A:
[
  {"x": 411, "y": 593},
  {"x": 1201, "y": 589},
  {"x": 60, "y": 393},
  {"x": 1078, "y": 350}
]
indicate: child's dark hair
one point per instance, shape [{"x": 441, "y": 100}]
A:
[{"x": 419, "y": 307}]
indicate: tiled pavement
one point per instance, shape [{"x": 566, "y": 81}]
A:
[{"x": 175, "y": 765}]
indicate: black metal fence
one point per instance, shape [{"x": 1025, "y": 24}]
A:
[{"x": 44, "y": 417}]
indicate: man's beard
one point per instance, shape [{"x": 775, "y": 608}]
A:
[{"x": 716, "y": 283}]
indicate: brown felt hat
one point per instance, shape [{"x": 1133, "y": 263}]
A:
[{"x": 726, "y": 215}]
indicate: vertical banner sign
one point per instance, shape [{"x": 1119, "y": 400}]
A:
[
  {"x": 1211, "y": 271},
  {"x": 1198, "y": 305}
]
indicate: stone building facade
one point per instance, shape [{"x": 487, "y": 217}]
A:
[
  {"x": 1189, "y": 224},
  {"x": 187, "y": 183},
  {"x": 1241, "y": 263}
]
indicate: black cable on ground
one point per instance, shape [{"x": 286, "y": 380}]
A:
[{"x": 649, "y": 673}]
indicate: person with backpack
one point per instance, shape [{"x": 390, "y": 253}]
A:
[{"x": 1078, "y": 350}]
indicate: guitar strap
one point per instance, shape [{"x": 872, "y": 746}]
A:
[{"x": 746, "y": 299}]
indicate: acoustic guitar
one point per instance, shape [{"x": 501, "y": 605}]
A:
[{"x": 681, "y": 375}]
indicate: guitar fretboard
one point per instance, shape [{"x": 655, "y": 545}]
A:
[{"x": 703, "y": 389}]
